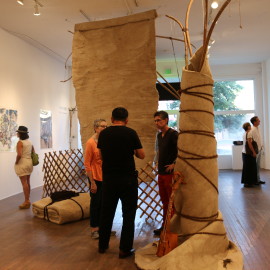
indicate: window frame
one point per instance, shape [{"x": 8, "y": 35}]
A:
[{"x": 237, "y": 112}]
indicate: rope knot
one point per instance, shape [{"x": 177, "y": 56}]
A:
[
  {"x": 178, "y": 177},
  {"x": 184, "y": 29}
]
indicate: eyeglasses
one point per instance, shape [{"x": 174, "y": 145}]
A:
[
  {"x": 158, "y": 120},
  {"x": 103, "y": 126}
]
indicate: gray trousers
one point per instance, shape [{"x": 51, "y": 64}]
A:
[{"x": 258, "y": 162}]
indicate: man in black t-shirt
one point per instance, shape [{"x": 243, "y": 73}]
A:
[
  {"x": 118, "y": 144},
  {"x": 166, "y": 156}
]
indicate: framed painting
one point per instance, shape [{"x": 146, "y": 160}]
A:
[
  {"x": 8, "y": 127},
  {"x": 45, "y": 129}
]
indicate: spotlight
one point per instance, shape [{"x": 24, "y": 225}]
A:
[
  {"x": 214, "y": 5},
  {"x": 20, "y": 2}
]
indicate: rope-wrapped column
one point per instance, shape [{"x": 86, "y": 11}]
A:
[
  {"x": 196, "y": 202},
  {"x": 203, "y": 242}
]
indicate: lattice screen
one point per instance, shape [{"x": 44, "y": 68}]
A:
[
  {"x": 149, "y": 200},
  {"x": 65, "y": 171}
]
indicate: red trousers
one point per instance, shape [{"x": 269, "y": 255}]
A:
[{"x": 165, "y": 190}]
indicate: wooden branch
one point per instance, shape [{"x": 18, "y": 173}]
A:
[
  {"x": 67, "y": 60},
  {"x": 186, "y": 27},
  {"x": 174, "y": 90},
  {"x": 177, "y": 39},
  {"x": 205, "y": 47},
  {"x": 205, "y": 21},
  {"x": 169, "y": 90},
  {"x": 185, "y": 37},
  {"x": 67, "y": 79}
]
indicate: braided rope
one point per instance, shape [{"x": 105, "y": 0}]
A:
[
  {"x": 201, "y": 219},
  {"x": 197, "y": 86},
  {"x": 208, "y": 233},
  {"x": 198, "y": 132},
  {"x": 199, "y": 172},
  {"x": 196, "y": 111},
  {"x": 195, "y": 156},
  {"x": 208, "y": 97}
]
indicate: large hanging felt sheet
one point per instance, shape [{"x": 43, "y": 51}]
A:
[{"x": 113, "y": 64}]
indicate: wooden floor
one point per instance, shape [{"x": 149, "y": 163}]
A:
[{"x": 29, "y": 243}]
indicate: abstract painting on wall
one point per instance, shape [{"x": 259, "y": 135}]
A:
[
  {"x": 45, "y": 129},
  {"x": 8, "y": 127}
]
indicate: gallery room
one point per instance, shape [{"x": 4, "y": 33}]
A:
[{"x": 66, "y": 65}]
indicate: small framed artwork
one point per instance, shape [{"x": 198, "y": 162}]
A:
[
  {"x": 45, "y": 129},
  {"x": 8, "y": 127}
]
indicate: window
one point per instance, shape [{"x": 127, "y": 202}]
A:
[{"x": 234, "y": 105}]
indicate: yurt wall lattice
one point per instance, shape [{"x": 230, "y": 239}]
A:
[{"x": 64, "y": 170}]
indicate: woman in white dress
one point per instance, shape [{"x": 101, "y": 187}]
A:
[{"x": 23, "y": 165}]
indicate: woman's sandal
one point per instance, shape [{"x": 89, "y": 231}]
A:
[{"x": 25, "y": 205}]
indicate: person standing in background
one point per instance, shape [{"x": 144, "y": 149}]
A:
[
  {"x": 118, "y": 144},
  {"x": 23, "y": 164},
  {"x": 166, "y": 155},
  {"x": 249, "y": 172},
  {"x": 258, "y": 139},
  {"x": 93, "y": 168}
]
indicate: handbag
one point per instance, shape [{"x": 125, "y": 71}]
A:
[
  {"x": 34, "y": 157},
  {"x": 255, "y": 147}
]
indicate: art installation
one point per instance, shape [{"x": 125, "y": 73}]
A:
[
  {"x": 8, "y": 127},
  {"x": 111, "y": 68},
  {"x": 45, "y": 129},
  {"x": 203, "y": 243},
  {"x": 63, "y": 211}
]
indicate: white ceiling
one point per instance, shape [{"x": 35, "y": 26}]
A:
[{"x": 50, "y": 30}]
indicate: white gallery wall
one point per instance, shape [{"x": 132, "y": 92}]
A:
[
  {"x": 29, "y": 82},
  {"x": 266, "y": 111}
]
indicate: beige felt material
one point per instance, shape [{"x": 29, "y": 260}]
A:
[
  {"x": 113, "y": 64},
  {"x": 63, "y": 211},
  {"x": 197, "y": 198},
  {"x": 203, "y": 243},
  {"x": 199, "y": 252}
]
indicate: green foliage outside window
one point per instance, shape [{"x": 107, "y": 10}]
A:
[
  {"x": 174, "y": 105},
  {"x": 225, "y": 93}
]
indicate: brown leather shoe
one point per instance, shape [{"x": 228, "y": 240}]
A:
[{"x": 124, "y": 254}]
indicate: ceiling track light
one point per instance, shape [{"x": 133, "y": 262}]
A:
[
  {"x": 128, "y": 8},
  {"x": 36, "y": 7},
  {"x": 36, "y": 13},
  {"x": 214, "y": 5},
  {"x": 20, "y": 2}
]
